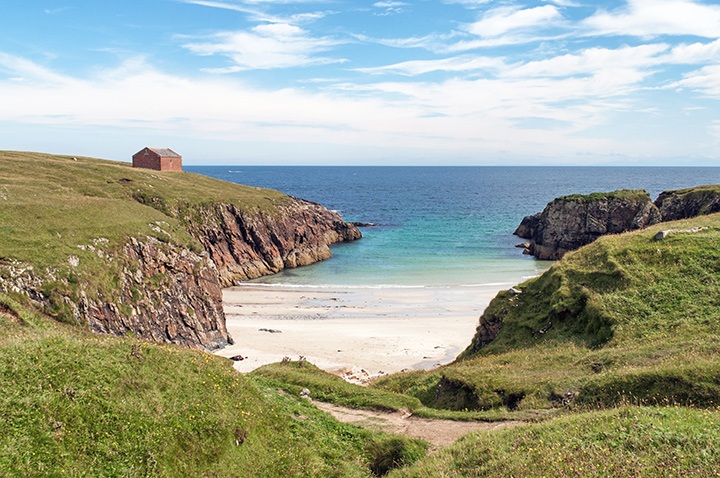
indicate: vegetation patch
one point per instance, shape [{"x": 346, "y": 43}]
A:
[
  {"x": 78, "y": 404},
  {"x": 628, "y": 441},
  {"x": 626, "y": 318},
  {"x": 621, "y": 194}
]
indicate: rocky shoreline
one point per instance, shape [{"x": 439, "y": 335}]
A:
[{"x": 570, "y": 222}]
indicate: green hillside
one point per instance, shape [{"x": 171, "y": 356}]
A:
[
  {"x": 53, "y": 203},
  {"x": 78, "y": 404},
  {"x": 627, "y": 318}
]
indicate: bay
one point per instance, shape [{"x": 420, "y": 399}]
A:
[{"x": 439, "y": 226}]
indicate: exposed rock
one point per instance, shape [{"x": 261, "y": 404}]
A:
[
  {"x": 663, "y": 234},
  {"x": 528, "y": 226},
  {"x": 164, "y": 292},
  {"x": 570, "y": 222},
  {"x": 363, "y": 224},
  {"x": 686, "y": 203},
  {"x": 271, "y": 331},
  {"x": 247, "y": 245}
]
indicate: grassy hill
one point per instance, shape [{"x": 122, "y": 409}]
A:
[
  {"x": 52, "y": 203},
  {"x": 627, "y": 318},
  {"x": 79, "y": 404},
  {"x": 612, "y": 355}
]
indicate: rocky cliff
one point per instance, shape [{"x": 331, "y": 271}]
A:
[
  {"x": 687, "y": 203},
  {"x": 129, "y": 251},
  {"x": 249, "y": 244},
  {"x": 570, "y": 222}
]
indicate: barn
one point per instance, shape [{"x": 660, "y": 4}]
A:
[{"x": 160, "y": 159}]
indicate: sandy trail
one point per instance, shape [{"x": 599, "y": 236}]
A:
[{"x": 439, "y": 433}]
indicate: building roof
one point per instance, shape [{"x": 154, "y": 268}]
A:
[{"x": 165, "y": 152}]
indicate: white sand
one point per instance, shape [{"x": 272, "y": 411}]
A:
[{"x": 355, "y": 332}]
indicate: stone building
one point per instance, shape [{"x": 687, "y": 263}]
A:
[{"x": 160, "y": 159}]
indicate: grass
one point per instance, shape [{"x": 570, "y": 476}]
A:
[
  {"x": 623, "y": 194},
  {"x": 627, "y": 441},
  {"x": 69, "y": 217},
  {"x": 78, "y": 404},
  {"x": 632, "y": 318}
]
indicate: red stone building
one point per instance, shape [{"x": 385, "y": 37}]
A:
[{"x": 160, "y": 159}]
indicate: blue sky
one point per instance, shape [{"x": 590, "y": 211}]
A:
[{"x": 631, "y": 82}]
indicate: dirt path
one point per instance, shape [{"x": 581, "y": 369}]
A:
[{"x": 438, "y": 433}]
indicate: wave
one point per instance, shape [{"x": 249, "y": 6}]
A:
[{"x": 286, "y": 285}]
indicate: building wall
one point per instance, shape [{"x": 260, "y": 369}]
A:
[
  {"x": 151, "y": 160},
  {"x": 146, "y": 159},
  {"x": 171, "y": 164}
]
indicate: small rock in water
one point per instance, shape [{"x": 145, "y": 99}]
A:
[
  {"x": 272, "y": 331},
  {"x": 237, "y": 358}
]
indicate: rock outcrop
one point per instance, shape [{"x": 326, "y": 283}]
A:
[
  {"x": 165, "y": 292},
  {"x": 570, "y": 222},
  {"x": 245, "y": 245},
  {"x": 687, "y": 203}
]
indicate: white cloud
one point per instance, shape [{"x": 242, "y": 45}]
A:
[
  {"x": 454, "y": 115},
  {"x": 564, "y": 3},
  {"x": 593, "y": 61},
  {"x": 500, "y": 21},
  {"x": 454, "y": 64},
  {"x": 389, "y": 4},
  {"x": 266, "y": 46},
  {"x": 705, "y": 80},
  {"x": 649, "y": 18},
  {"x": 696, "y": 52}
]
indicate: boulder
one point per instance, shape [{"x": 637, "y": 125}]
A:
[
  {"x": 570, "y": 222},
  {"x": 686, "y": 203}
]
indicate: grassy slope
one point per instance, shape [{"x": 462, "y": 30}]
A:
[
  {"x": 52, "y": 204},
  {"x": 632, "y": 319},
  {"x": 628, "y": 441},
  {"x": 78, "y": 404}
]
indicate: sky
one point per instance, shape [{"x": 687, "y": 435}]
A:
[{"x": 433, "y": 82}]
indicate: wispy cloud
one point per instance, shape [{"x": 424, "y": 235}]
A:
[
  {"x": 650, "y": 18},
  {"x": 592, "y": 61},
  {"x": 706, "y": 80},
  {"x": 454, "y": 64},
  {"x": 256, "y": 11},
  {"x": 267, "y": 46},
  {"x": 499, "y": 21}
]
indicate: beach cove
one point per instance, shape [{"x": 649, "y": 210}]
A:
[{"x": 356, "y": 332}]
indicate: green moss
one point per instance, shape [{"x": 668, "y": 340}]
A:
[
  {"x": 623, "y": 194},
  {"x": 629, "y": 441},
  {"x": 626, "y": 316}
]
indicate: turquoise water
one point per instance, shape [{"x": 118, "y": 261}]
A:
[{"x": 439, "y": 226}]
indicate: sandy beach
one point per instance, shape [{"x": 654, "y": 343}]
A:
[{"x": 356, "y": 332}]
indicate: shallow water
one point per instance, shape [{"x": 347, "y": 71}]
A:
[{"x": 439, "y": 226}]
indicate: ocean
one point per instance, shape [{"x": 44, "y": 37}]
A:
[{"x": 439, "y": 226}]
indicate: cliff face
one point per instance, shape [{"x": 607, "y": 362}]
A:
[
  {"x": 158, "y": 292},
  {"x": 164, "y": 294},
  {"x": 570, "y": 222},
  {"x": 687, "y": 203},
  {"x": 125, "y": 250},
  {"x": 246, "y": 245}
]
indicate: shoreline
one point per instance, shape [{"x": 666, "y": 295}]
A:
[{"x": 359, "y": 332}]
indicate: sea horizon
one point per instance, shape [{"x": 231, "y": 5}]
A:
[{"x": 439, "y": 226}]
